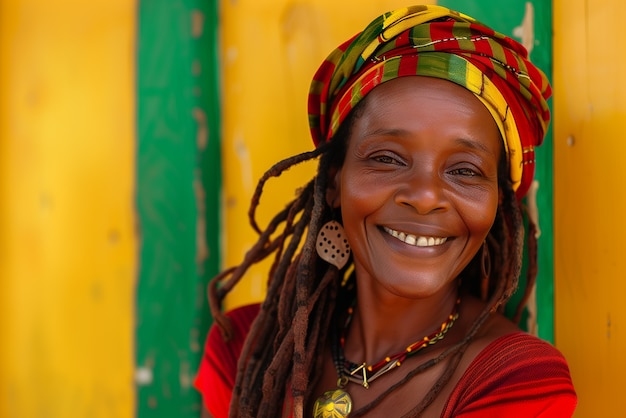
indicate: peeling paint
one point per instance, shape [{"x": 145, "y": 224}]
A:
[
  {"x": 196, "y": 68},
  {"x": 231, "y": 55},
  {"x": 186, "y": 374},
  {"x": 114, "y": 237},
  {"x": 144, "y": 376},
  {"x": 202, "y": 246},
  {"x": 533, "y": 208},
  {"x": 202, "y": 136},
  {"x": 194, "y": 339},
  {"x": 197, "y": 23},
  {"x": 526, "y": 30},
  {"x": 245, "y": 162}
]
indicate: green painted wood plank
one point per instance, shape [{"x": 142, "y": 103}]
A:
[{"x": 178, "y": 187}]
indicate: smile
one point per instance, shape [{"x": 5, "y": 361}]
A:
[{"x": 415, "y": 240}]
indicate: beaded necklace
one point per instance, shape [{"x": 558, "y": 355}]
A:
[{"x": 337, "y": 403}]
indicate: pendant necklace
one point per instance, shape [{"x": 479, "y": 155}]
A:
[{"x": 336, "y": 403}]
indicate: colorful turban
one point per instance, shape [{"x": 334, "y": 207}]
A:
[{"x": 437, "y": 42}]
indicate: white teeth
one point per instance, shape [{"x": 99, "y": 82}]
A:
[{"x": 414, "y": 240}]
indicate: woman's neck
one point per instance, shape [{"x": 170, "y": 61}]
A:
[{"x": 384, "y": 324}]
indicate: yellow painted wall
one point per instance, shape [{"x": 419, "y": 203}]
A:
[
  {"x": 67, "y": 238},
  {"x": 590, "y": 200},
  {"x": 270, "y": 51}
]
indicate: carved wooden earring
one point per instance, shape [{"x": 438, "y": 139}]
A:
[{"x": 332, "y": 245}]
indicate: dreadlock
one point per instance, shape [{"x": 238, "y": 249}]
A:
[{"x": 296, "y": 316}]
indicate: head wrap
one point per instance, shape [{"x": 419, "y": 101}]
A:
[{"x": 437, "y": 42}]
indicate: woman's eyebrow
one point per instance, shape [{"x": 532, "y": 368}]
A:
[
  {"x": 386, "y": 132},
  {"x": 477, "y": 145}
]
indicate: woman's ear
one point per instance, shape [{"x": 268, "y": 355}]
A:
[{"x": 333, "y": 191}]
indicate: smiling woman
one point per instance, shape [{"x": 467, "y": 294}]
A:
[{"x": 425, "y": 125}]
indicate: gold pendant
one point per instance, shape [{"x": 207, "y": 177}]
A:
[{"x": 333, "y": 404}]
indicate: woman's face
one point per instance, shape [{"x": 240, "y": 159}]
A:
[{"x": 418, "y": 189}]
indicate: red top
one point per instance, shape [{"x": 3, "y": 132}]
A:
[{"x": 516, "y": 375}]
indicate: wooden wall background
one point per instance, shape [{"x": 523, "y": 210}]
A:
[{"x": 131, "y": 137}]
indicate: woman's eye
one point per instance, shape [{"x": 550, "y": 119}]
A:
[
  {"x": 464, "y": 172},
  {"x": 385, "y": 159}
]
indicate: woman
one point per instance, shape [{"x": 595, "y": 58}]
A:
[{"x": 392, "y": 265}]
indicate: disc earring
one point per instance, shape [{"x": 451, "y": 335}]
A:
[{"x": 332, "y": 245}]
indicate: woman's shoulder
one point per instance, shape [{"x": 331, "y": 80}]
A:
[
  {"x": 240, "y": 319},
  {"x": 515, "y": 371},
  {"x": 218, "y": 367},
  {"x": 519, "y": 352},
  {"x": 243, "y": 316}
]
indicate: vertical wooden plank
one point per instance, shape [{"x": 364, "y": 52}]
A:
[
  {"x": 67, "y": 245},
  {"x": 178, "y": 176},
  {"x": 590, "y": 153}
]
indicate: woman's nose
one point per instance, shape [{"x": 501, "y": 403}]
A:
[{"x": 422, "y": 190}]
